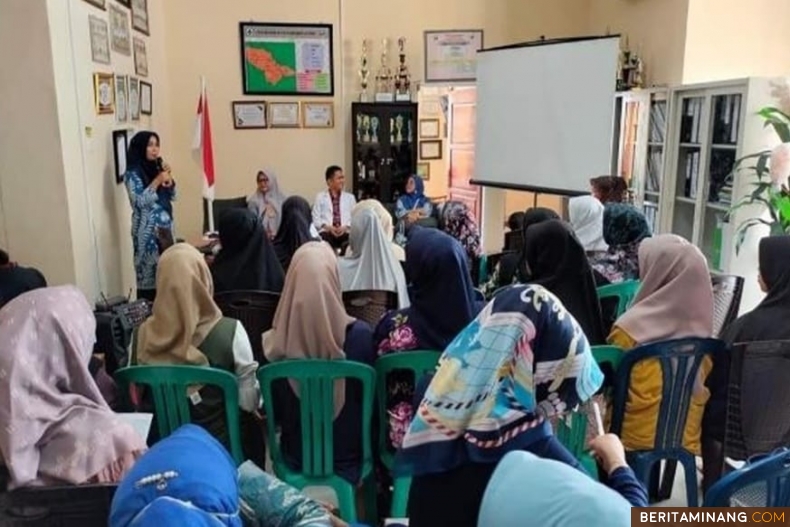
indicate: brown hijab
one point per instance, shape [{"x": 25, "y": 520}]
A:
[
  {"x": 675, "y": 299},
  {"x": 311, "y": 320},
  {"x": 184, "y": 312}
]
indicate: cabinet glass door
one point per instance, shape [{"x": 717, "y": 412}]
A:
[
  {"x": 369, "y": 153},
  {"x": 402, "y": 131},
  {"x": 725, "y": 120},
  {"x": 687, "y": 171},
  {"x": 655, "y": 161}
]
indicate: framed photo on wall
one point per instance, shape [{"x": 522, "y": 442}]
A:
[
  {"x": 120, "y": 144},
  {"x": 121, "y": 99},
  {"x": 100, "y": 40},
  {"x": 120, "y": 35},
  {"x": 101, "y": 4},
  {"x": 424, "y": 171},
  {"x": 140, "y": 16},
  {"x": 134, "y": 98},
  {"x": 286, "y": 59},
  {"x": 146, "y": 98},
  {"x": 140, "y": 57},
  {"x": 318, "y": 114},
  {"x": 104, "y": 93},
  {"x": 429, "y": 129},
  {"x": 283, "y": 114},
  {"x": 431, "y": 150},
  {"x": 451, "y": 56},
  {"x": 249, "y": 115}
]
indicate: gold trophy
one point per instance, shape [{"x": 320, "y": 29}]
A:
[
  {"x": 403, "y": 78},
  {"x": 364, "y": 72},
  {"x": 384, "y": 77}
]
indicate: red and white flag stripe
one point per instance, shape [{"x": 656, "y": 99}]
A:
[{"x": 202, "y": 142}]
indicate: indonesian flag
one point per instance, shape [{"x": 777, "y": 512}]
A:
[{"x": 202, "y": 142}]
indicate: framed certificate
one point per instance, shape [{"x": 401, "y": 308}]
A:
[
  {"x": 283, "y": 114},
  {"x": 249, "y": 115},
  {"x": 146, "y": 98},
  {"x": 430, "y": 150},
  {"x": 120, "y": 144},
  {"x": 429, "y": 128},
  {"x": 318, "y": 115},
  {"x": 451, "y": 56}
]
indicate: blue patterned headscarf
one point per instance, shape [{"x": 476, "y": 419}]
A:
[
  {"x": 624, "y": 224},
  {"x": 187, "y": 478},
  {"x": 522, "y": 360}
]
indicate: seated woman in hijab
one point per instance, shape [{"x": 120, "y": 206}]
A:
[
  {"x": 624, "y": 228},
  {"x": 295, "y": 230},
  {"x": 411, "y": 207},
  {"x": 386, "y": 223},
  {"x": 372, "y": 265},
  {"x": 311, "y": 323},
  {"x": 247, "y": 260},
  {"x": 523, "y": 360},
  {"x": 187, "y": 328},
  {"x": 458, "y": 222},
  {"x": 57, "y": 428},
  {"x": 266, "y": 203},
  {"x": 674, "y": 301},
  {"x": 189, "y": 479},
  {"x": 442, "y": 303},
  {"x": 585, "y": 214},
  {"x": 528, "y": 491},
  {"x": 557, "y": 261},
  {"x": 766, "y": 322}
]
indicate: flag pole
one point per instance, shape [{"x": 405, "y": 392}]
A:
[{"x": 210, "y": 197}]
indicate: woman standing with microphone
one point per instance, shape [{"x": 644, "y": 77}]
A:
[{"x": 151, "y": 191}]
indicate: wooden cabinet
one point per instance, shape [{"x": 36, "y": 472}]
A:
[{"x": 384, "y": 149}]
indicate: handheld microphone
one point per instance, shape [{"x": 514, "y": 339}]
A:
[{"x": 160, "y": 164}]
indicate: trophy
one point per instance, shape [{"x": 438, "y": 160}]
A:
[
  {"x": 366, "y": 129},
  {"x": 364, "y": 72},
  {"x": 403, "y": 78},
  {"x": 399, "y": 129},
  {"x": 384, "y": 77},
  {"x": 359, "y": 127},
  {"x": 374, "y": 129}
]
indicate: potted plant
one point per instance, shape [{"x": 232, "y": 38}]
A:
[{"x": 771, "y": 169}]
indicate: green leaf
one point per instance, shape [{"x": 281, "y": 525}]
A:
[
  {"x": 744, "y": 227},
  {"x": 773, "y": 112}
]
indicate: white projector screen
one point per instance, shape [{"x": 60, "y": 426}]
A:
[{"x": 545, "y": 112}]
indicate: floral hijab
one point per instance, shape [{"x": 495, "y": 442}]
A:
[
  {"x": 458, "y": 222},
  {"x": 624, "y": 228}
]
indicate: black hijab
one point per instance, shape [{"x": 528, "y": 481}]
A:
[
  {"x": 558, "y": 262},
  {"x": 247, "y": 260},
  {"x": 294, "y": 229},
  {"x": 516, "y": 265},
  {"x": 136, "y": 159}
]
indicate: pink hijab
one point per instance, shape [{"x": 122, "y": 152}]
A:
[
  {"x": 56, "y": 425},
  {"x": 675, "y": 299}
]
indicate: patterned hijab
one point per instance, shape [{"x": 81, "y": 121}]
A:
[
  {"x": 586, "y": 217},
  {"x": 184, "y": 311},
  {"x": 624, "y": 228},
  {"x": 386, "y": 223},
  {"x": 675, "y": 299},
  {"x": 311, "y": 320},
  {"x": 522, "y": 360},
  {"x": 56, "y": 425},
  {"x": 458, "y": 222}
]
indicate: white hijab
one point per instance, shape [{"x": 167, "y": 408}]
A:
[
  {"x": 372, "y": 266},
  {"x": 586, "y": 216}
]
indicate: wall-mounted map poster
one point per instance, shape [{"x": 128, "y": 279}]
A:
[{"x": 286, "y": 59}]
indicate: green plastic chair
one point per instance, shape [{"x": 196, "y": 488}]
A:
[
  {"x": 168, "y": 386},
  {"x": 624, "y": 292},
  {"x": 572, "y": 431},
  {"x": 419, "y": 362},
  {"x": 316, "y": 379}
]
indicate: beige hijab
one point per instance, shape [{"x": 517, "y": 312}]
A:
[
  {"x": 184, "y": 311},
  {"x": 311, "y": 320},
  {"x": 675, "y": 299},
  {"x": 386, "y": 224}
]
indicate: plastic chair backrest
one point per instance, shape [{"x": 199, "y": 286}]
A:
[
  {"x": 254, "y": 309},
  {"x": 315, "y": 380},
  {"x": 624, "y": 292},
  {"x": 727, "y": 292},
  {"x": 680, "y": 360},
  {"x": 770, "y": 476},
  {"x": 169, "y": 385},
  {"x": 419, "y": 363},
  {"x": 369, "y": 305}
]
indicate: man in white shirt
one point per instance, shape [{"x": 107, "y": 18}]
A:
[{"x": 332, "y": 209}]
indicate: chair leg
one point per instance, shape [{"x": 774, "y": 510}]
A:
[
  {"x": 692, "y": 490},
  {"x": 371, "y": 499},
  {"x": 667, "y": 479},
  {"x": 400, "y": 497},
  {"x": 346, "y": 501}
]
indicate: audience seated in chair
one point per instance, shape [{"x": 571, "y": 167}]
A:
[
  {"x": 266, "y": 203},
  {"x": 485, "y": 392},
  {"x": 674, "y": 301},
  {"x": 311, "y": 323},
  {"x": 332, "y": 210},
  {"x": 457, "y": 220},
  {"x": 412, "y": 207},
  {"x": 57, "y": 429},
  {"x": 386, "y": 223},
  {"x": 585, "y": 214},
  {"x": 624, "y": 228},
  {"x": 295, "y": 230},
  {"x": 767, "y": 322},
  {"x": 187, "y": 328},
  {"x": 16, "y": 280},
  {"x": 247, "y": 260},
  {"x": 372, "y": 266}
]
